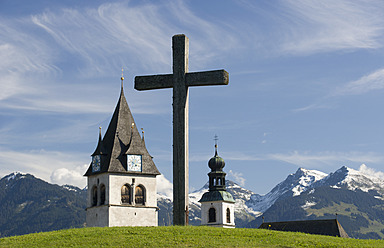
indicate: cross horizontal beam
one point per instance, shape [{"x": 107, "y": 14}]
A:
[{"x": 206, "y": 78}]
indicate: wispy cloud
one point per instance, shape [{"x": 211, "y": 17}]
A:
[
  {"x": 371, "y": 172},
  {"x": 319, "y": 159},
  {"x": 365, "y": 84},
  {"x": 237, "y": 177},
  {"x": 102, "y": 37},
  {"x": 43, "y": 163},
  {"x": 164, "y": 186},
  {"x": 300, "y": 27},
  {"x": 236, "y": 156},
  {"x": 35, "y": 52},
  {"x": 242, "y": 156},
  {"x": 317, "y": 26},
  {"x": 306, "y": 108},
  {"x": 23, "y": 50},
  {"x": 74, "y": 176},
  {"x": 22, "y": 54},
  {"x": 135, "y": 36},
  {"x": 209, "y": 39},
  {"x": 306, "y": 159}
]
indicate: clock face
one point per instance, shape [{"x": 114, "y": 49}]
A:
[
  {"x": 96, "y": 163},
  {"x": 134, "y": 163}
]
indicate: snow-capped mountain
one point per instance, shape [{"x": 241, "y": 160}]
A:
[
  {"x": 358, "y": 199},
  {"x": 353, "y": 197},
  {"x": 293, "y": 185},
  {"x": 353, "y": 180},
  {"x": 14, "y": 176},
  {"x": 243, "y": 213},
  {"x": 249, "y": 205}
]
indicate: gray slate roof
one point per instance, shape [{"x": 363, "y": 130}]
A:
[
  {"x": 120, "y": 139},
  {"x": 217, "y": 195},
  {"x": 330, "y": 227}
]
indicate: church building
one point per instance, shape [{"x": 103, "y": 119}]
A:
[
  {"x": 122, "y": 175},
  {"x": 217, "y": 205}
]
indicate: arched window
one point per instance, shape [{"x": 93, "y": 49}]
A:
[
  {"x": 94, "y": 196},
  {"x": 212, "y": 215},
  {"x": 126, "y": 194},
  {"x": 228, "y": 215},
  {"x": 139, "y": 195},
  {"x": 102, "y": 194}
]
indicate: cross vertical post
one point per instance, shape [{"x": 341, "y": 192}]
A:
[
  {"x": 180, "y": 80},
  {"x": 180, "y": 49}
]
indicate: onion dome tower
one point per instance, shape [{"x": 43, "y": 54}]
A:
[
  {"x": 217, "y": 205},
  {"x": 122, "y": 175}
]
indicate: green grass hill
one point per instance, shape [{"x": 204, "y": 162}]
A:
[{"x": 179, "y": 237}]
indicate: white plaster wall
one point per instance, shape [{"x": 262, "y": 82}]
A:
[
  {"x": 117, "y": 181},
  {"x": 132, "y": 216},
  {"x": 231, "y": 207},
  {"x": 115, "y": 214},
  {"x": 221, "y": 214},
  {"x": 92, "y": 181}
]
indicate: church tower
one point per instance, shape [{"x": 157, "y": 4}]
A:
[
  {"x": 217, "y": 205},
  {"x": 122, "y": 175}
]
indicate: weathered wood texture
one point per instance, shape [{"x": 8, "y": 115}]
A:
[
  {"x": 154, "y": 82},
  {"x": 180, "y": 80},
  {"x": 180, "y": 129},
  {"x": 207, "y": 78}
]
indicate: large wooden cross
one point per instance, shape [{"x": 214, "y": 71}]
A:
[{"x": 180, "y": 80}]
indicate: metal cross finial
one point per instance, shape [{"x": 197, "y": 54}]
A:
[
  {"x": 216, "y": 138},
  {"x": 122, "y": 76},
  {"x": 142, "y": 131}
]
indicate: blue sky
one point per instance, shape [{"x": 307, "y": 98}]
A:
[{"x": 306, "y": 84}]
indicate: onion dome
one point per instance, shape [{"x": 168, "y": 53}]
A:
[{"x": 216, "y": 163}]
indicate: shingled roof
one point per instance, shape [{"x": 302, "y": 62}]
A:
[
  {"x": 120, "y": 139},
  {"x": 329, "y": 227}
]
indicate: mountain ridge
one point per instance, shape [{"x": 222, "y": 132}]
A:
[
  {"x": 305, "y": 194},
  {"x": 30, "y": 204}
]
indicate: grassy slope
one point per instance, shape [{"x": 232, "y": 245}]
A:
[{"x": 179, "y": 237}]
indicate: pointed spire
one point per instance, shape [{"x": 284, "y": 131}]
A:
[
  {"x": 122, "y": 138},
  {"x": 100, "y": 148}
]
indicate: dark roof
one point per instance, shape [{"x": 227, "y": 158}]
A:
[
  {"x": 330, "y": 227},
  {"x": 216, "y": 163},
  {"x": 100, "y": 147},
  {"x": 217, "y": 195},
  {"x": 120, "y": 139}
]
